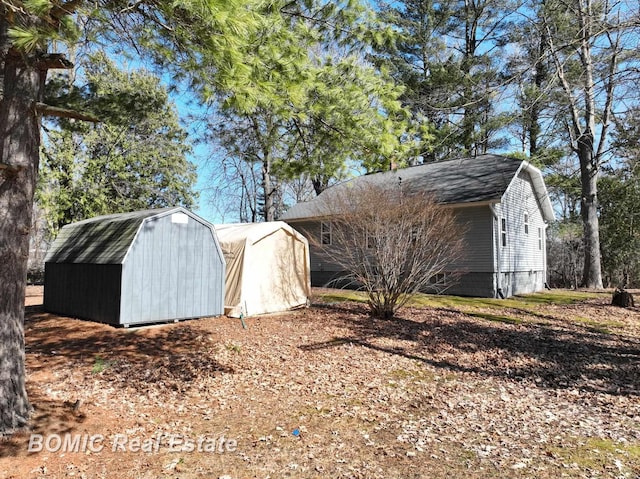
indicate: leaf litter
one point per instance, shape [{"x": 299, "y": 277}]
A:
[{"x": 330, "y": 392}]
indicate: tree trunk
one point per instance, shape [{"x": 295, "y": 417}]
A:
[
  {"x": 267, "y": 189},
  {"x": 592, "y": 273},
  {"x": 539, "y": 80},
  {"x": 19, "y": 156}
]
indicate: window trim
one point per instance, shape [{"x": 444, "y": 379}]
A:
[
  {"x": 526, "y": 223},
  {"x": 540, "y": 239},
  {"x": 503, "y": 231},
  {"x": 326, "y": 235}
]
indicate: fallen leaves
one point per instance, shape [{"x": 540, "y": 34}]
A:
[{"x": 433, "y": 393}]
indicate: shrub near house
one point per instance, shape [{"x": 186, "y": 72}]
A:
[{"x": 501, "y": 208}]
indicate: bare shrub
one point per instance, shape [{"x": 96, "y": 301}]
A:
[{"x": 390, "y": 244}]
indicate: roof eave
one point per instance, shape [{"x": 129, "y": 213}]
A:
[{"x": 541, "y": 190}]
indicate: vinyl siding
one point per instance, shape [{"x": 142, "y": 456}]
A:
[
  {"x": 477, "y": 257},
  {"x": 522, "y": 261},
  {"x": 475, "y": 228},
  {"x": 317, "y": 260}
]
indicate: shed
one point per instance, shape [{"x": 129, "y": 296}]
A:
[
  {"x": 267, "y": 268},
  {"x": 136, "y": 268}
]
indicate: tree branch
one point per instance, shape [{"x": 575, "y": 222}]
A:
[
  {"x": 68, "y": 8},
  {"x": 54, "y": 61},
  {"x": 49, "y": 110}
]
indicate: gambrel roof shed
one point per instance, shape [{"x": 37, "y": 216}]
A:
[
  {"x": 483, "y": 179},
  {"x": 135, "y": 268}
]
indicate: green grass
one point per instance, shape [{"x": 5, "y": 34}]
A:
[
  {"x": 496, "y": 317},
  {"x": 560, "y": 297},
  {"x": 498, "y": 308},
  {"x": 597, "y": 453},
  {"x": 236, "y": 348},
  {"x": 100, "y": 364},
  {"x": 341, "y": 295},
  {"x": 599, "y": 326}
]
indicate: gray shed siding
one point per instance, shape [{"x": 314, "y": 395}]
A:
[
  {"x": 155, "y": 270},
  {"x": 172, "y": 271}
]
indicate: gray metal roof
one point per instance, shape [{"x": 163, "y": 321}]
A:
[
  {"x": 484, "y": 178},
  {"x": 101, "y": 240}
]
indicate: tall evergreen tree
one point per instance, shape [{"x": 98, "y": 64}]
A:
[
  {"x": 323, "y": 111},
  {"x": 211, "y": 35},
  {"x": 135, "y": 158},
  {"x": 449, "y": 59}
]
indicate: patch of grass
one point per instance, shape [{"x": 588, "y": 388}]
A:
[
  {"x": 560, "y": 297},
  {"x": 597, "y": 453},
  {"x": 100, "y": 364},
  {"x": 496, "y": 317},
  {"x": 599, "y": 326},
  {"x": 341, "y": 295},
  {"x": 233, "y": 347}
]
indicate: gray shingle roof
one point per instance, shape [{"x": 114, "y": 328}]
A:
[
  {"x": 99, "y": 240},
  {"x": 466, "y": 180}
]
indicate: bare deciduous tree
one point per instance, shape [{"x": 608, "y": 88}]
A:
[{"x": 391, "y": 244}]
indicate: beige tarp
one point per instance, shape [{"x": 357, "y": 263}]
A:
[{"x": 267, "y": 268}]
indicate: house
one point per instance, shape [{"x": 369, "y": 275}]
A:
[
  {"x": 502, "y": 203},
  {"x": 267, "y": 268},
  {"x": 136, "y": 268}
]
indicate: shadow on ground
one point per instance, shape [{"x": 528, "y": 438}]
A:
[
  {"x": 553, "y": 355},
  {"x": 49, "y": 417},
  {"x": 173, "y": 355}
]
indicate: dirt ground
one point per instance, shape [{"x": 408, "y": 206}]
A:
[{"x": 329, "y": 392}]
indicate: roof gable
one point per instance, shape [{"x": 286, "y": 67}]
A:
[
  {"x": 253, "y": 232},
  {"x": 101, "y": 240},
  {"x": 484, "y": 178}
]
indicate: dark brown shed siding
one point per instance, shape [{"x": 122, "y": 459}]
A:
[{"x": 87, "y": 291}]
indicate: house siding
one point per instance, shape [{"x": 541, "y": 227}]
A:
[
  {"x": 319, "y": 262},
  {"x": 475, "y": 227},
  {"x": 475, "y": 265},
  {"x": 482, "y": 191},
  {"x": 522, "y": 266}
]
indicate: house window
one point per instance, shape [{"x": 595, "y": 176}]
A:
[
  {"x": 503, "y": 230},
  {"x": 526, "y": 223},
  {"x": 325, "y": 233},
  {"x": 540, "y": 239},
  {"x": 371, "y": 241}
]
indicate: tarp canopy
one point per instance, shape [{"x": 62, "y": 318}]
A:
[{"x": 267, "y": 268}]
